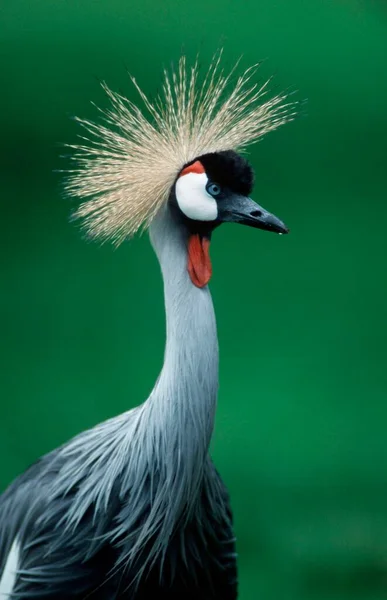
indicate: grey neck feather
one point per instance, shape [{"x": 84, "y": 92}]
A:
[{"x": 155, "y": 457}]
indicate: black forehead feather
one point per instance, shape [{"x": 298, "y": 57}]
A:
[{"x": 229, "y": 169}]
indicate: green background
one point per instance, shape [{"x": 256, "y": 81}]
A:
[{"x": 301, "y": 426}]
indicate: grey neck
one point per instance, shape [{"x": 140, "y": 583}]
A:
[
  {"x": 158, "y": 452},
  {"x": 183, "y": 402}
]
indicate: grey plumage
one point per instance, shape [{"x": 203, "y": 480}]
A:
[{"x": 134, "y": 481}]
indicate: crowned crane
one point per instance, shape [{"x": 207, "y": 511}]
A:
[{"x": 134, "y": 507}]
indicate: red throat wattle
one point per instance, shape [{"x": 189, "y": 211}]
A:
[{"x": 199, "y": 262}]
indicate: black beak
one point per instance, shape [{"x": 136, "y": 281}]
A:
[{"x": 240, "y": 209}]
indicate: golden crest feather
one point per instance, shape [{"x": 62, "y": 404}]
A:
[{"x": 125, "y": 171}]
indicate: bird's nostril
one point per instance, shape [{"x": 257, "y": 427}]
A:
[{"x": 256, "y": 213}]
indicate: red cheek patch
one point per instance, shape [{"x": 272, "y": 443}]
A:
[{"x": 196, "y": 167}]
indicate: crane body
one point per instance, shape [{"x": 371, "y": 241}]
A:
[{"x": 134, "y": 507}]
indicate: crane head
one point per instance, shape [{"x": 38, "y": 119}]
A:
[
  {"x": 179, "y": 148},
  {"x": 213, "y": 189}
]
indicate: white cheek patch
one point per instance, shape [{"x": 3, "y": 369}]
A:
[{"x": 193, "y": 199}]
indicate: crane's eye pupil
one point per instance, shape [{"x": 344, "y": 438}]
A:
[{"x": 214, "y": 189}]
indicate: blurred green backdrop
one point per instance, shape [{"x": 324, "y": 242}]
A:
[{"x": 301, "y": 428}]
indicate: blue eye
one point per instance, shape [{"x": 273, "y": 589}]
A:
[{"x": 214, "y": 189}]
